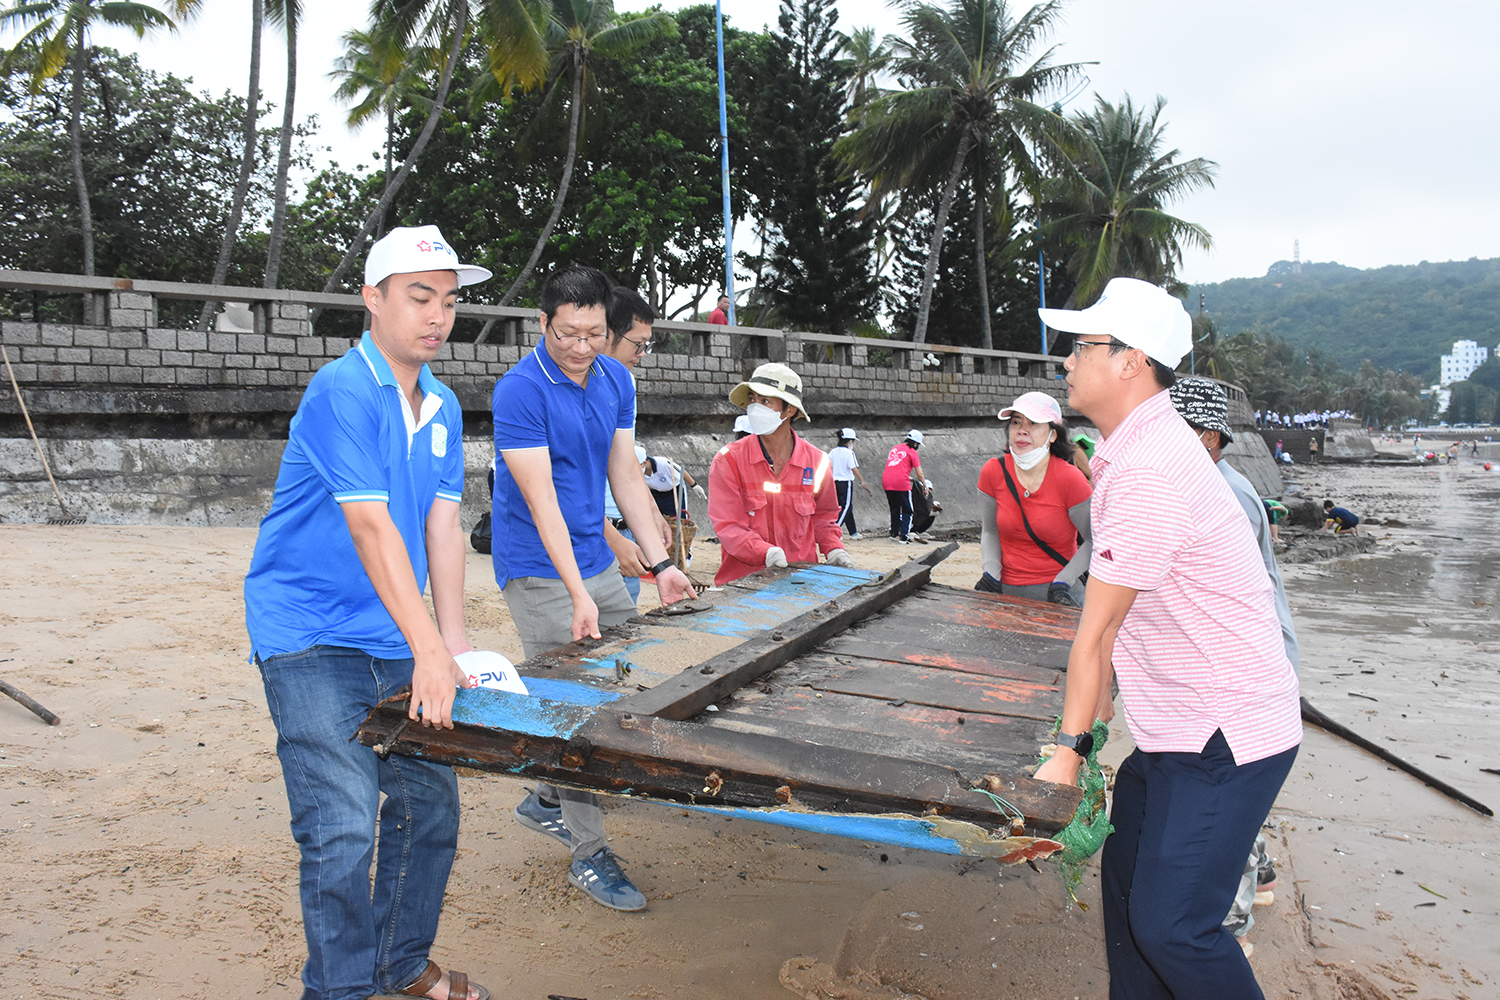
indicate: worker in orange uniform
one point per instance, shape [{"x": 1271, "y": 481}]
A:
[{"x": 770, "y": 495}]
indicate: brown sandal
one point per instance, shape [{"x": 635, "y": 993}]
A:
[{"x": 458, "y": 984}]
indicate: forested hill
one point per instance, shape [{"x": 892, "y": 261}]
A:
[{"x": 1402, "y": 317}]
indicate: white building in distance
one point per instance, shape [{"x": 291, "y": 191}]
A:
[{"x": 1467, "y": 355}]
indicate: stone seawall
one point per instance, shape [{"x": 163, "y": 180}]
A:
[{"x": 143, "y": 424}]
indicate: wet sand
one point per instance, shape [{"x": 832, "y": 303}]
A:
[{"x": 144, "y": 846}]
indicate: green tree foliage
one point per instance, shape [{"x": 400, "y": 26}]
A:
[
  {"x": 1403, "y": 317},
  {"x": 819, "y": 274},
  {"x": 956, "y": 309},
  {"x": 159, "y": 159},
  {"x": 644, "y": 196},
  {"x": 55, "y": 32}
]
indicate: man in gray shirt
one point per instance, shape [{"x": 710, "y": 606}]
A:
[{"x": 1204, "y": 406}]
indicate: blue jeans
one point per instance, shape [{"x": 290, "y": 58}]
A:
[
  {"x": 1184, "y": 824},
  {"x": 357, "y": 946}
]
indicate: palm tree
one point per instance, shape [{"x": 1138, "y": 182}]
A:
[
  {"x": 573, "y": 34},
  {"x": 247, "y": 159},
  {"x": 1109, "y": 201},
  {"x": 410, "y": 31},
  {"x": 55, "y": 31},
  {"x": 964, "y": 85},
  {"x": 287, "y": 13},
  {"x": 378, "y": 78},
  {"x": 865, "y": 60}
]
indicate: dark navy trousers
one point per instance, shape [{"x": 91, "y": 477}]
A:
[{"x": 1184, "y": 824}]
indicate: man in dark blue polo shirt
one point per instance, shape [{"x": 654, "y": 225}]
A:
[
  {"x": 564, "y": 424},
  {"x": 365, "y": 513}
]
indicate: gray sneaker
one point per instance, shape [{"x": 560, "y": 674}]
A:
[
  {"x": 601, "y": 877},
  {"x": 536, "y": 815}
]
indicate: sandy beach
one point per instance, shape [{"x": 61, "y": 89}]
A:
[{"x": 144, "y": 846}]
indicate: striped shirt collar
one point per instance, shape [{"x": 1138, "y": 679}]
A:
[{"x": 1136, "y": 422}]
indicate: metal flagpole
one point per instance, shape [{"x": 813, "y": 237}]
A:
[
  {"x": 724, "y": 169},
  {"x": 1041, "y": 270}
]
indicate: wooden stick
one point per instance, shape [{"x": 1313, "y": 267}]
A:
[
  {"x": 1317, "y": 718},
  {"x": 39, "y": 454},
  {"x": 22, "y": 697}
]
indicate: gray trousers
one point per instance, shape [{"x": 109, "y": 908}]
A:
[{"x": 543, "y": 613}]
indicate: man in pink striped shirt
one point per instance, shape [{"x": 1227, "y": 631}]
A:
[{"x": 1180, "y": 608}]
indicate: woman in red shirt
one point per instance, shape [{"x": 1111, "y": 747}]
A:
[{"x": 1034, "y": 506}]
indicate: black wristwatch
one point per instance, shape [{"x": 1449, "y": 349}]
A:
[
  {"x": 661, "y": 567},
  {"x": 1082, "y": 744}
]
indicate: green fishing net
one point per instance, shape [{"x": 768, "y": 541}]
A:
[{"x": 1082, "y": 838}]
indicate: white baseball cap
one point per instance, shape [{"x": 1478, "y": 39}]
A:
[
  {"x": 1038, "y": 407},
  {"x": 848, "y": 434},
  {"x": 742, "y": 424},
  {"x": 914, "y": 435},
  {"x": 1133, "y": 312},
  {"x": 640, "y": 454},
  {"x": 413, "y": 249}
]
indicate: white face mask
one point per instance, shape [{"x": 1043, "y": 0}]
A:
[
  {"x": 1029, "y": 460},
  {"x": 763, "y": 419},
  {"x": 1033, "y": 456}
]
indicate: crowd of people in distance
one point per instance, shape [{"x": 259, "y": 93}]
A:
[{"x": 1300, "y": 421}]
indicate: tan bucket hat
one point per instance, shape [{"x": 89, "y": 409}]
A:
[{"x": 773, "y": 379}]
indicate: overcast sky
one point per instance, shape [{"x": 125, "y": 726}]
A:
[{"x": 1366, "y": 130}]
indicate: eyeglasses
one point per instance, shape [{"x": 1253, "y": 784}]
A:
[
  {"x": 578, "y": 340},
  {"x": 641, "y": 346},
  {"x": 1079, "y": 345}
]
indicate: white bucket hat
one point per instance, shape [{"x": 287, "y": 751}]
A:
[
  {"x": 1133, "y": 312},
  {"x": 1038, "y": 407},
  {"x": 413, "y": 249}
]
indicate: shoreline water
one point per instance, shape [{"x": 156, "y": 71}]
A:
[{"x": 144, "y": 842}]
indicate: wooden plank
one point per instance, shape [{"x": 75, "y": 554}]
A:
[
  {"x": 917, "y": 629},
  {"x": 967, "y": 761},
  {"x": 997, "y": 735},
  {"x": 692, "y": 690},
  {"x": 996, "y": 611},
  {"x": 965, "y": 693},
  {"x": 905, "y": 652},
  {"x": 609, "y": 750}
]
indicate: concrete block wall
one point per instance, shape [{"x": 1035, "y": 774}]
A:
[{"x": 121, "y": 407}]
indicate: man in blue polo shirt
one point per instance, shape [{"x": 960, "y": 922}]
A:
[
  {"x": 564, "y": 424},
  {"x": 364, "y": 514}
]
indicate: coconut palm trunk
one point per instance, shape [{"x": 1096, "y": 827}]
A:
[
  {"x": 75, "y": 135},
  {"x": 576, "y": 112},
  {"x": 284, "y": 157},
  {"x": 987, "y": 337},
  {"x": 247, "y": 159},
  {"x": 935, "y": 248},
  {"x": 388, "y": 196}
]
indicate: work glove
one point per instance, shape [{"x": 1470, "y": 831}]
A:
[
  {"x": 775, "y": 557},
  {"x": 1060, "y": 593},
  {"x": 839, "y": 557},
  {"x": 702, "y": 493},
  {"x": 988, "y": 584}
]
